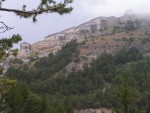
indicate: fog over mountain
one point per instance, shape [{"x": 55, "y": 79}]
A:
[{"x": 84, "y": 10}]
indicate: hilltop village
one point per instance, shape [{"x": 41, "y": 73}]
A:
[
  {"x": 98, "y": 27},
  {"x": 53, "y": 42}
]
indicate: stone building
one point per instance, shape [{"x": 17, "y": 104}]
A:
[{"x": 25, "y": 50}]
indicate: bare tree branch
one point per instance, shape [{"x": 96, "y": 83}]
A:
[{"x": 4, "y": 27}]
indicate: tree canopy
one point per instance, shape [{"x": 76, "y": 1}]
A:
[{"x": 119, "y": 81}]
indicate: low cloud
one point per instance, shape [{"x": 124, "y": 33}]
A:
[{"x": 113, "y": 7}]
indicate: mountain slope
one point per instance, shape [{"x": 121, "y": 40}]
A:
[{"x": 88, "y": 74}]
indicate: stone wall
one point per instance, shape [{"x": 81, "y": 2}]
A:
[{"x": 53, "y": 42}]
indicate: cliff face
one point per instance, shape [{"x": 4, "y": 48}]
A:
[{"x": 101, "y": 110}]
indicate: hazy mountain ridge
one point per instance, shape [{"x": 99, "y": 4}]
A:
[{"x": 128, "y": 31}]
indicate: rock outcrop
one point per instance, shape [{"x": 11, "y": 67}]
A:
[{"x": 101, "y": 110}]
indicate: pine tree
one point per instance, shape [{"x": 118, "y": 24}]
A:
[
  {"x": 5, "y": 85},
  {"x": 126, "y": 95}
]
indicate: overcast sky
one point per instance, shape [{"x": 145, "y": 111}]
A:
[{"x": 84, "y": 10}]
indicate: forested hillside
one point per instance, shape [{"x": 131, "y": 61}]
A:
[
  {"x": 119, "y": 82},
  {"x": 99, "y": 66}
]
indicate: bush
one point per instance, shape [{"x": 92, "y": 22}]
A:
[{"x": 17, "y": 61}]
